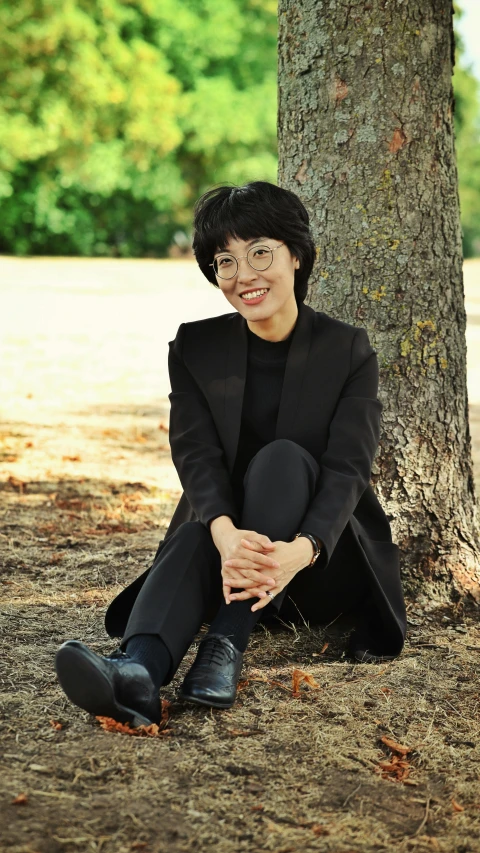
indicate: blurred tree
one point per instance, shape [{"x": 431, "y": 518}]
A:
[
  {"x": 115, "y": 115},
  {"x": 467, "y": 142}
]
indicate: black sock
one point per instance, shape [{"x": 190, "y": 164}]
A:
[
  {"x": 151, "y": 651},
  {"x": 236, "y": 621}
]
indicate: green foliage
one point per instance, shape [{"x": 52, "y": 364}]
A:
[
  {"x": 115, "y": 115},
  {"x": 467, "y": 143}
]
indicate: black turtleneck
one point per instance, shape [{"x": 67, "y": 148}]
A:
[{"x": 261, "y": 401}]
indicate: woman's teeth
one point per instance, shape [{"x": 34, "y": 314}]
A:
[{"x": 254, "y": 295}]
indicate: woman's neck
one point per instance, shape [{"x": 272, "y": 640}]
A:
[{"x": 273, "y": 331}]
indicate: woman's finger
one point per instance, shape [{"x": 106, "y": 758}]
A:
[
  {"x": 248, "y": 583},
  {"x": 245, "y": 566},
  {"x": 248, "y": 574},
  {"x": 243, "y": 595},
  {"x": 261, "y": 559},
  {"x": 263, "y": 601},
  {"x": 267, "y": 544},
  {"x": 255, "y": 592}
]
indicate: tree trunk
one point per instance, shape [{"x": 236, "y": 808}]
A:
[{"x": 366, "y": 140}]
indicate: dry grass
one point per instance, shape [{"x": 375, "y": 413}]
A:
[{"x": 295, "y": 765}]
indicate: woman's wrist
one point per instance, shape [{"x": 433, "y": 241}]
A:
[
  {"x": 305, "y": 550},
  {"x": 220, "y": 525}
]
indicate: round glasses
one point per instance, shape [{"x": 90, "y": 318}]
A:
[{"x": 259, "y": 258}]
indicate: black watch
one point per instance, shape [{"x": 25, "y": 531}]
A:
[{"x": 315, "y": 543}]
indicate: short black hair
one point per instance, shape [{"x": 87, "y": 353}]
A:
[{"x": 256, "y": 209}]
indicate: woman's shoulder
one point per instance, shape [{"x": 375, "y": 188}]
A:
[{"x": 322, "y": 321}]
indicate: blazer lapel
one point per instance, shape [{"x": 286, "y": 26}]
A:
[
  {"x": 236, "y": 372},
  {"x": 235, "y": 375},
  {"x": 295, "y": 369}
]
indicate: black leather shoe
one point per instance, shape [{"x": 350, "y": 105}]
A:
[
  {"x": 362, "y": 646},
  {"x": 114, "y": 686},
  {"x": 213, "y": 677}
]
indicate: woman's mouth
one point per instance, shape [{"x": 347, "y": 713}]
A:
[{"x": 254, "y": 297}]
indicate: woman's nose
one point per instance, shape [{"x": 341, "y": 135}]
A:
[{"x": 245, "y": 271}]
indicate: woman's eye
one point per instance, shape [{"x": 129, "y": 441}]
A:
[
  {"x": 222, "y": 262},
  {"x": 258, "y": 253}
]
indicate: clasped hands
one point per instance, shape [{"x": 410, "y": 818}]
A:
[{"x": 255, "y": 564}]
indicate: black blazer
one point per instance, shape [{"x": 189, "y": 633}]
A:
[{"x": 329, "y": 405}]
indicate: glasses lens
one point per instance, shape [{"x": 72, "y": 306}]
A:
[
  {"x": 225, "y": 266},
  {"x": 260, "y": 257}
]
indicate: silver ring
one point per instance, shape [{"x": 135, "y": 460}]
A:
[{"x": 270, "y": 593}]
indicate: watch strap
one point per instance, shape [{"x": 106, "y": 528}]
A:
[{"x": 314, "y": 542}]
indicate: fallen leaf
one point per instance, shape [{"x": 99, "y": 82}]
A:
[
  {"x": 153, "y": 730},
  {"x": 111, "y": 725},
  {"x": 394, "y": 746},
  {"x": 56, "y": 725},
  {"x": 21, "y": 800},
  {"x": 324, "y": 648},
  {"x": 299, "y": 676},
  {"x": 457, "y": 807},
  {"x": 397, "y": 768}
]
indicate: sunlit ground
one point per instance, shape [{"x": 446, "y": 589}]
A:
[{"x": 83, "y": 349}]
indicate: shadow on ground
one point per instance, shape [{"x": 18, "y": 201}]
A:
[{"x": 283, "y": 770}]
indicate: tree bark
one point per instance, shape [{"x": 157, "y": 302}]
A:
[{"x": 365, "y": 126}]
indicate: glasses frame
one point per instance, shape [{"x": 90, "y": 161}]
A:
[{"x": 242, "y": 257}]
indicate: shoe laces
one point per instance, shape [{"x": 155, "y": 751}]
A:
[
  {"x": 118, "y": 654},
  {"x": 215, "y": 651}
]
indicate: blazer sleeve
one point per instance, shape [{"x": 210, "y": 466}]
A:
[
  {"x": 346, "y": 464},
  {"x": 195, "y": 445}
]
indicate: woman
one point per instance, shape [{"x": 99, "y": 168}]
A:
[{"x": 274, "y": 425}]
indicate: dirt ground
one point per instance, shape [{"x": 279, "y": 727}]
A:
[{"x": 318, "y": 753}]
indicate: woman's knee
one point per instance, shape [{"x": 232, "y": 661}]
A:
[
  {"x": 279, "y": 447},
  {"x": 192, "y": 529},
  {"x": 193, "y": 534},
  {"x": 281, "y": 451}
]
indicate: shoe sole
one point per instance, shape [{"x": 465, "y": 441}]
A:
[
  {"x": 86, "y": 686},
  {"x": 197, "y": 701}
]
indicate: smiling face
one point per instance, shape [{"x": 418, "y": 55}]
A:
[{"x": 278, "y": 280}]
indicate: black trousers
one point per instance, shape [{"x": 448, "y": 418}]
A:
[{"x": 184, "y": 587}]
